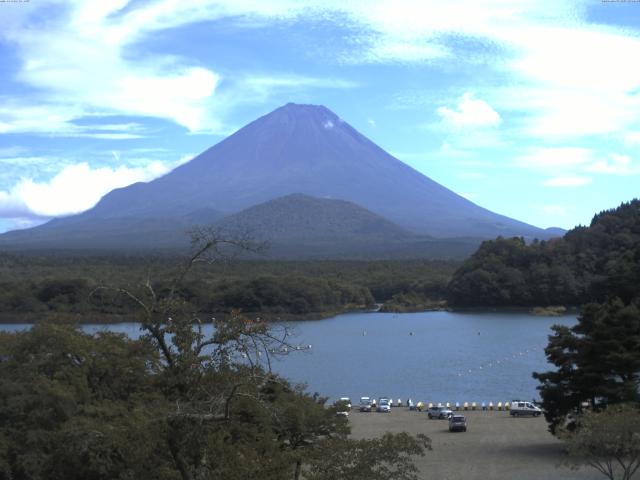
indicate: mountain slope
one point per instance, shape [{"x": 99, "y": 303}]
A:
[
  {"x": 296, "y": 226},
  {"x": 301, "y": 218},
  {"x": 309, "y": 149},
  {"x": 300, "y": 226},
  {"x": 296, "y": 148}
]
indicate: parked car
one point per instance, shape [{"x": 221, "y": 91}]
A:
[
  {"x": 384, "y": 405},
  {"x": 519, "y": 408},
  {"x": 457, "y": 423},
  {"x": 439, "y": 412},
  {"x": 365, "y": 404},
  {"x": 347, "y": 401}
]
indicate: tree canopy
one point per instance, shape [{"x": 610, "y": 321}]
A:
[
  {"x": 588, "y": 264},
  {"x": 597, "y": 361},
  {"x": 174, "y": 404},
  {"x": 608, "y": 441}
]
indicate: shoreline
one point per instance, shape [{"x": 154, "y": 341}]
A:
[{"x": 7, "y": 318}]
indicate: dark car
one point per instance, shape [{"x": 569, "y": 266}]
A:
[
  {"x": 365, "y": 404},
  {"x": 457, "y": 423}
]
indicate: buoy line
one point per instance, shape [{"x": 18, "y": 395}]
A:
[{"x": 498, "y": 362}]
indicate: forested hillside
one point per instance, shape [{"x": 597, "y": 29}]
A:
[
  {"x": 35, "y": 288},
  {"x": 176, "y": 403},
  {"x": 587, "y": 264}
]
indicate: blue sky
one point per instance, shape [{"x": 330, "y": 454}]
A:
[{"x": 529, "y": 108}]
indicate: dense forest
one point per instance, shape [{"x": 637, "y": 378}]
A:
[
  {"x": 84, "y": 288},
  {"x": 174, "y": 404},
  {"x": 587, "y": 264}
]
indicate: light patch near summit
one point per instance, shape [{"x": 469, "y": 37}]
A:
[{"x": 328, "y": 124}]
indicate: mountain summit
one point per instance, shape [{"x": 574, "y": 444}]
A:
[
  {"x": 304, "y": 149},
  {"x": 309, "y": 149}
]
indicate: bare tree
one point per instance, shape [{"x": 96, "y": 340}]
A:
[{"x": 207, "y": 364}]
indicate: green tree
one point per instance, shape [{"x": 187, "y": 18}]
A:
[
  {"x": 597, "y": 360},
  {"x": 608, "y": 441},
  {"x": 177, "y": 403},
  {"x": 78, "y": 406},
  {"x": 388, "y": 457}
]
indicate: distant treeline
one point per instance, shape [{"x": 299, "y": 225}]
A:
[
  {"x": 587, "y": 264},
  {"x": 32, "y": 288}
]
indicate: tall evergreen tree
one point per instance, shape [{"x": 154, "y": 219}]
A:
[{"x": 597, "y": 360}]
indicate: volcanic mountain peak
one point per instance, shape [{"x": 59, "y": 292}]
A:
[{"x": 296, "y": 148}]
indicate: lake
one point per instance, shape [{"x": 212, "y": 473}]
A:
[{"x": 429, "y": 356}]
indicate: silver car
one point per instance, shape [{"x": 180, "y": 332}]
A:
[
  {"x": 365, "y": 404},
  {"x": 439, "y": 412},
  {"x": 520, "y": 408},
  {"x": 384, "y": 405}
]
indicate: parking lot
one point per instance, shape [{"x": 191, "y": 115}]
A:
[{"x": 495, "y": 447}]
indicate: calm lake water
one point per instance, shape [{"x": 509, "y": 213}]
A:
[{"x": 430, "y": 356}]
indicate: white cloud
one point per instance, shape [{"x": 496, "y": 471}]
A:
[
  {"x": 74, "y": 189},
  {"x": 556, "y": 158},
  {"x": 110, "y": 136},
  {"x": 400, "y": 51},
  {"x": 17, "y": 161},
  {"x": 81, "y": 63},
  {"x": 568, "y": 165},
  {"x": 632, "y": 139},
  {"x": 58, "y": 120},
  {"x": 259, "y": 82},
  {"x": 615, "y": 165},
  {"x": 568, "y": 77},
  {"x": 565, "y": 79},
  {"x": 84, "y": 58},
  {"x": 470, "y": 112},
  {"x": 567, "y": 182},
  {"x": 558, "y": 112}
]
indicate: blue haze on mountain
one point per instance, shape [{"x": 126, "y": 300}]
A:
[{"x": 301, "y": 149}]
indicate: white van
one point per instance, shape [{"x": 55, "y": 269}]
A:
[{"x": 524, "y": 408}]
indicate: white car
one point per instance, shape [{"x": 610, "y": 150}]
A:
[
  {"x": 384, "y": 405},
  {"x": 439, "y": 412},
  {"x": 519, "y": 408}
]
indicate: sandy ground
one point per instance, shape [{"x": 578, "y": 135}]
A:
[{"x": 496, "y": 446}]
